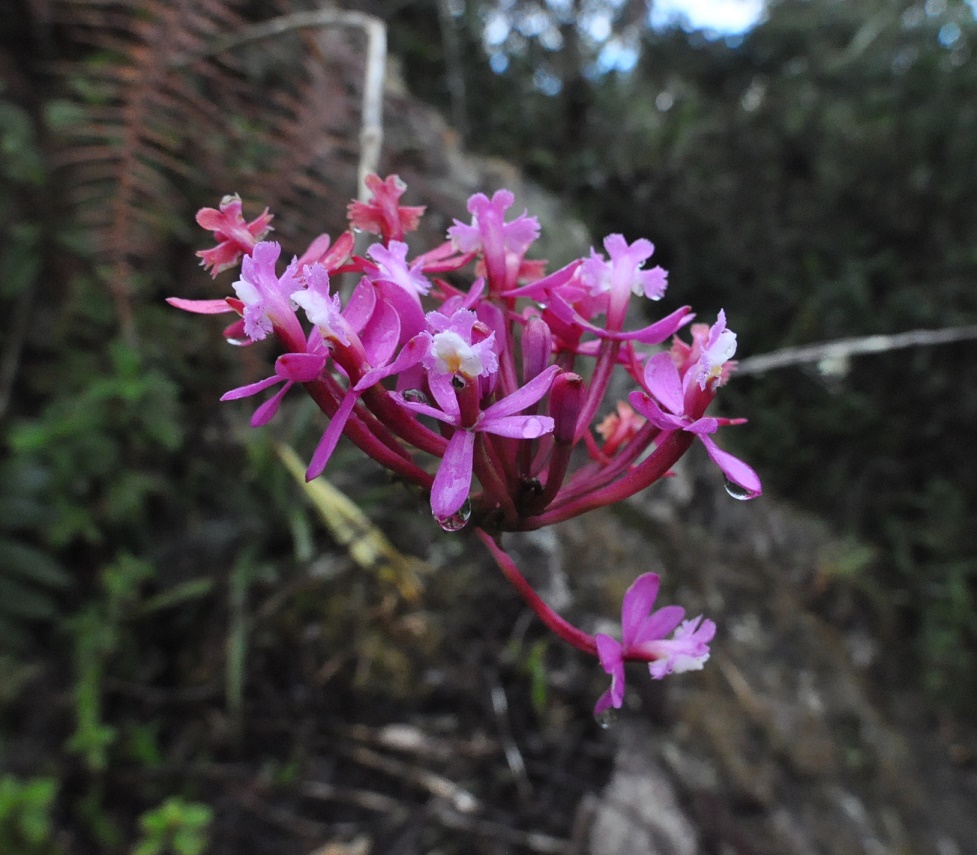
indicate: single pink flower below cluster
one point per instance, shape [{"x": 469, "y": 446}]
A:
[
  {"x": 482, "y": 395},
  {"x": 643, "y": 639}
]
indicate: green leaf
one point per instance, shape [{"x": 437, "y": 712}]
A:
[{"x": 32, "y": 565}]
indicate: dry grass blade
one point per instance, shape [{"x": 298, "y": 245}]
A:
[{"x": 353, "y": 530}]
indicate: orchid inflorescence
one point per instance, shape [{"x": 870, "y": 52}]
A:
[{"x": 489, "y": 385}]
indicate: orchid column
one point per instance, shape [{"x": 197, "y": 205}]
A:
[{"x": 490, "y": 396}]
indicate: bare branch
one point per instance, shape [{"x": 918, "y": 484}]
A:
[{"x": 840, "y": 350}]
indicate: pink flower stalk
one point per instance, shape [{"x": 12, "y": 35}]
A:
[
  {"x": 643, "y": 639},
  {"x": 234, "y": 236},
  {"x": 482, "y": 395}
]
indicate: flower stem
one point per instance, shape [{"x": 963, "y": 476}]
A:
[{"x": 567, "y": 631}]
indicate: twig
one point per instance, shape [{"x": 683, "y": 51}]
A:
[
  {"x": 408, "y": 739},
  {"x": 844, "y": 348},
  {"x": 361, "y": 798},
  {"x": 500, "y": 706},
  {"x": 437, "y": 785},
  {"x": 371, "y": 131},
  {"x": 534, "y": 840}
]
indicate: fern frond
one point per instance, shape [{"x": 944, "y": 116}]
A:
[{"x": 182, "y": 101}]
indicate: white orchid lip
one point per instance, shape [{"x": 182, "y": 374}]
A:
[{"x": 453, "y": 355}]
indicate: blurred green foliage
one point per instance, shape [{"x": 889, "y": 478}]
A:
[
  {"x": 176, "y": 827},
  {"x": 25, "y": 816}
]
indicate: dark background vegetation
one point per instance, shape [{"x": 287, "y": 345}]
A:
[{"x": 168, "y": 599}]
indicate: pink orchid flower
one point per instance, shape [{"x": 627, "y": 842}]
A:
[
  {"x": 503, "y": 245},
  {"x": 674, "y": 400},
  {"x": 234, "y": 236},
  {"x": 453, "y": 480},
  {"x": 383, "y": 214},
  {"x": 266, "y": 296},
  {"x": 643, "y": 638},
  {"x": 391, "y": 261},
  {"x": 366, "y": 330},
  {"x": 612, "y": 282}
]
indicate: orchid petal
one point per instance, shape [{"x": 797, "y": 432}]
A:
[
  {"x": 703, "y": 426},
  {"x": 250, "y": 389},
  {"x": 638, "y": 601},
  {"x": 651, "y": 411},
  {"x": 657, "y": 332},
  {"x": 330, "y": 437},
  {"x": 361, "y": 304},
  {"x": 412, "y": 353},
  {"x": 200, "y": 307},
  {"x": 407, "y": 305},
  {"x": 381, "y": 335},
  {"x": 735, "y": 470},
  {"x": 444, "y": 393},
  {"x": 267, "y": 410},
  {"x": 659, "y": 624},
  {"x": 300, "y": 367},
  {"x": 604, "y": 701},
  {"x": 517, "y": 427},
  {"x": 524, "y": 396},
  {"x": 663, "y": 381},
  {"x": 453, "y": 481},
  {"x": 611, "y": 656}
]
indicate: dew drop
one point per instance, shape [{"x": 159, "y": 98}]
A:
[
  {"x": 415, "y": 396},
  {"x": 457, "y": 520},
  {"x": 606, "y": 718},
  {"x": 738, "y": 492}
]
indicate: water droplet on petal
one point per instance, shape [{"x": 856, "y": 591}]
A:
[
  {"x": 606, "y": 718},
  {"x": 737, "y": 491},
  {"x": 416, "y": 396},
  {"x": 457, "y": 520}
]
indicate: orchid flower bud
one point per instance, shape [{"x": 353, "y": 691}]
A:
[
  {"x": 566, "y": 399},
  {"x": 537, "y": 345}
]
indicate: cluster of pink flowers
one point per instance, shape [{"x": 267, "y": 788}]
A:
[{"x": 503, "y": 383}]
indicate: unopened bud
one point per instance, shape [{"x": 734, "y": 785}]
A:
[
  {"x": 537, "y": 345},
  {"x": 566, "y": 399}
]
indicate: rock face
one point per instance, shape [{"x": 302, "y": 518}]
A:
[{"x": 784, "y": 743}]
